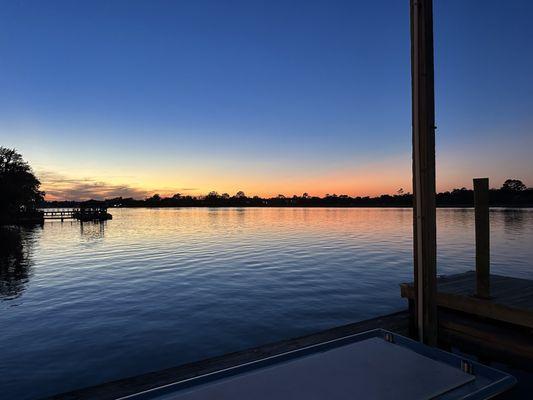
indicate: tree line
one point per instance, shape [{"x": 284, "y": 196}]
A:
[
  {"x": 20, "y": 196},
  {"x": 513, "y": 193}
]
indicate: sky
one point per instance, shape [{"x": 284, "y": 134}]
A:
[{"x": 131, "y": 98}]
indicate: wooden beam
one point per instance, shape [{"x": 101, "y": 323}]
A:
[
  {"x": 488, "y": 340},
  {"x": 479, "y": 307},
  {"x": 481, "y": 204},
  {"x": 423, "y": 125}
]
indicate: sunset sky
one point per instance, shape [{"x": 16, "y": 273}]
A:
[{"x": 130, "y": 98}]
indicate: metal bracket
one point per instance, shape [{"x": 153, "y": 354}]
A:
[{"x": 467, "y": 367}]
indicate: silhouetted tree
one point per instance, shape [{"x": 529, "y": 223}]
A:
[
  {"x": 155, "y": 200},
  {"x": 513, "y": 185},
  {"x": 19, "y": 187},
  {"x": 513, "y": 193}
]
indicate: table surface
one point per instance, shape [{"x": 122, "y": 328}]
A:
[{"x": 371, "y": 368}]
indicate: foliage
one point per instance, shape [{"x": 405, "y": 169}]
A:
[
  {"x": 513, "y": 185},
  {"x": 456, "y": 198},
  {"x": 19, "y": 187}
]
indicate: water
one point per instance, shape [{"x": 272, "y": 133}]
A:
[{"x": 154, "y": 288}]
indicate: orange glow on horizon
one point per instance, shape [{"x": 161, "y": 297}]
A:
[{"x": 373, "y": 179}]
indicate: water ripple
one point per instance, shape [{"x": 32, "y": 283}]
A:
[{"x": 154, "y": 288}]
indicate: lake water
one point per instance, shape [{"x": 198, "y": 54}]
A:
[{"x": 154, "y": 288}]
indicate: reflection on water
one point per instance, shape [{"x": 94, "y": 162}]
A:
[
  {"x": 15, "y": 260},
  {"x": 92, "y": 230},
  {"x": 154, "y": 288},
  {"x": 513, "y": 220},
  {"x": 16, "y": 247}
]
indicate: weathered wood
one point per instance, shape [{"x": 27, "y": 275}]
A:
[
  {"x": 423, "y": 121},
  {"x": 483, "y": 338},
  {"x": 397, "y": 322},
  {"x": 481, "y": 204},
  {"x": 511, "y": 300}
]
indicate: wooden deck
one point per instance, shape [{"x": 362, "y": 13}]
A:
[
  {"x": 495, "y": 329},
  {"x": 83, "y": 214},
  {"x": 511, "y": 299}
]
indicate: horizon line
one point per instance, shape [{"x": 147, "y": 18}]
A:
[{"x": 224, "y": 195}]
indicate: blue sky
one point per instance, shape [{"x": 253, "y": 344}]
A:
[{"x": 136, "y": 97}]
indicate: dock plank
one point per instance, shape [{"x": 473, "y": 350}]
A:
[{"x": 511, "y": 298}]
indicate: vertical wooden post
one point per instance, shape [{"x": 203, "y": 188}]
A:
[
  {"x": 481, "y": 204},
  {"x": 423, "y": 121}
]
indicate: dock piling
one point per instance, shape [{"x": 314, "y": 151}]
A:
[
  {"x": 481, "y": 205},
  {"x": 424, "y": 207}
]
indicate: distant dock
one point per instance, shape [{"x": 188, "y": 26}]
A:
[{"x": 83, "y": 214}]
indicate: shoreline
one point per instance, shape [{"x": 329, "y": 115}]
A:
[{"x": 495, "y": 206}]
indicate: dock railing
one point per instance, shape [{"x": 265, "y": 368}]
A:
[{"x": 77, "y": 213}]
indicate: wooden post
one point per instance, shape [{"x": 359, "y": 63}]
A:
[
  {"x": 423, "y": 125},
  {"x": 481, "y": 204}
]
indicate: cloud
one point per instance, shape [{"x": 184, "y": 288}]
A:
[{"x": 60, "y": 187}]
